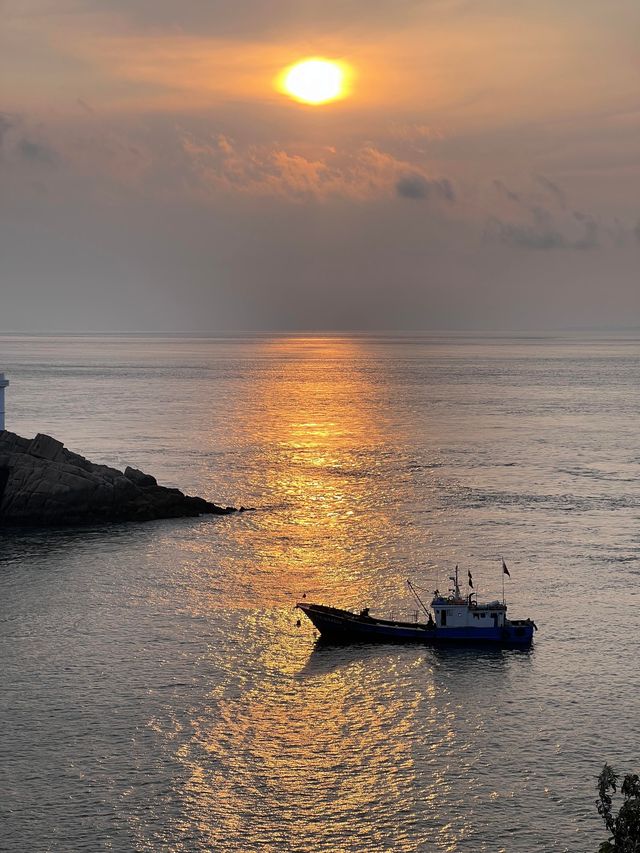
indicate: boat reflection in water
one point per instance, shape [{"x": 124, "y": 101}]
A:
[
  {"x": 447, "y": 661},
  {"x": 455, "y": 619}
]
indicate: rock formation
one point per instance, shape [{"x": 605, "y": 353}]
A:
[{"x": 43, "y": 484}]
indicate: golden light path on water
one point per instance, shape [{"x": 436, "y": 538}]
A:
[
  {"x": 318, "y": 736},
  {"x": 311, "y": 421}
]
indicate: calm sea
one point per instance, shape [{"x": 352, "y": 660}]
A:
[{"x": 156, "y": 693}]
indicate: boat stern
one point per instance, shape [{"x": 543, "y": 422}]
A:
[{"x": 519, "y": 632}]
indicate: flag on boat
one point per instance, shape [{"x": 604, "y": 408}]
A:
[
  {"x": 470, "y": 579},
  {"x": 505, "y": 569}
]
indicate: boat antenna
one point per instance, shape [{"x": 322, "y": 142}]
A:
[
  {"x": 456, "y": 589},
  {"x": 417, "y": 597}
]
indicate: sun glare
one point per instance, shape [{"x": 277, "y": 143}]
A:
[{"x": 314, "y": 81}]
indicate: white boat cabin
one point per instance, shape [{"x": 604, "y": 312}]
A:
[{"x": 456, "y": 611}]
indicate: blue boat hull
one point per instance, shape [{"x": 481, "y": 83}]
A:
[{"x": 344, "y": 626}]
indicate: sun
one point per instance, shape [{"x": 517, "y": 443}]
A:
[{"x": 314, "y": 81}]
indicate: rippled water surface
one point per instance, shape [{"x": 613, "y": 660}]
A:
[{"x": 156, "y": 692}]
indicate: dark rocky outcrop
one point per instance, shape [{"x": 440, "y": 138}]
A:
[{"x": 43, "y": 484}]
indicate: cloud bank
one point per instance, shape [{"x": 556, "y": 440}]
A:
[{"x": 482, "y": 173}]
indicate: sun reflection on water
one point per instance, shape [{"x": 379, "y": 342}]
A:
[
  {"x": 313, "y": 749},
  {"x": 295, "y": 746},
  {"x": 321, "y": 433}
]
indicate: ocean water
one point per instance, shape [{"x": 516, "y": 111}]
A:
[{"x": 156, "y": 692}]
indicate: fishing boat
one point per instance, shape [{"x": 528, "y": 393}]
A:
[{"x": 451, "y": 619}]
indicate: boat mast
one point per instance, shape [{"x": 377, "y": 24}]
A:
[
  {"x": 456, "y": 589},
  {"x": 417, "y": 597}
]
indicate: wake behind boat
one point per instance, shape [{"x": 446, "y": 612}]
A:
[{"x": 452, "y": 619}]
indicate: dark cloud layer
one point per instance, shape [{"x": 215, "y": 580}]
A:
[
  {"x": 554, "y": 189},
  {"x": 504, "y": 190},
  {"x": 541, "y": 228},
  {"x": 37, "y": 152},
  {"x": 416, "y": 186},
  {"x": 542, "y": 233}
]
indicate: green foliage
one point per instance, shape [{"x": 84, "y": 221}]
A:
[{"x": 625, "y": 826}]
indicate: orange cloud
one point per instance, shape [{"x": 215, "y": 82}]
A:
[{"x": 362, "y": 174}]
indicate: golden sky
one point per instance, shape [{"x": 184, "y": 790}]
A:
[{"x": 477, "y": 141}]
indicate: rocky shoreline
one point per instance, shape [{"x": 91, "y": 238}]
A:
[{"x": 43, "y": 484}]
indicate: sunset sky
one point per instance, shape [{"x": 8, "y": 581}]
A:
[{"x": 481, "y": 171}]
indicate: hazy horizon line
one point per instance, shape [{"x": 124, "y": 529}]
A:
[{"x": 232, "y": 333}]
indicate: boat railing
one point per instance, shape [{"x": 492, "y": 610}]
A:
[{"x": 404, "y": 615}]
